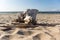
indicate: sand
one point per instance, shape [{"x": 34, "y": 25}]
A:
[{"x": 37, "y": 33}]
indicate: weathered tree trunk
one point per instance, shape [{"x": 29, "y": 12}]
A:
[
  {"x": 21, "y": 17},
  {"x": 30, "y": 12},
  {"x": 33, "y": 14}
]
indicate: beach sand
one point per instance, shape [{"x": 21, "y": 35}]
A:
[{"x": 37, "y": 33}]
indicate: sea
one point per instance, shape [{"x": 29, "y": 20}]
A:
[{"x": 43, "y": 12}]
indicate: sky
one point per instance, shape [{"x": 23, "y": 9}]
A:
[{"x": 22, "y": 5}]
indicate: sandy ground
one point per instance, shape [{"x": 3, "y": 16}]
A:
[{"x": 37, "y": 33}]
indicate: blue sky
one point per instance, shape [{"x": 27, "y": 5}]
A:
[{"x": 21, "y": 5}]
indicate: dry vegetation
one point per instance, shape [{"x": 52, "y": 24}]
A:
[{"x": 37, "y": 33}]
